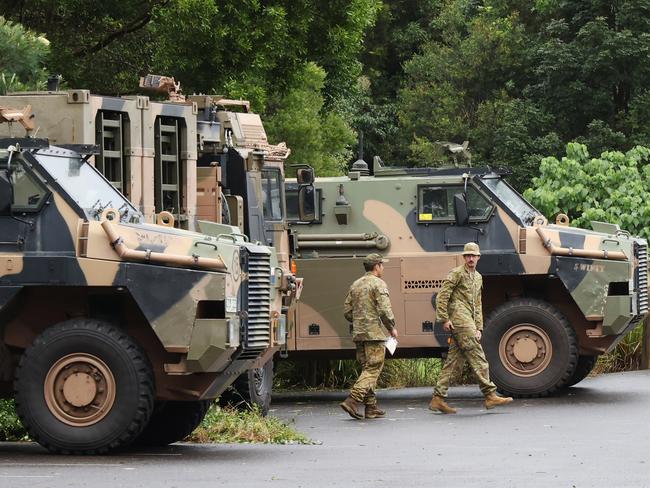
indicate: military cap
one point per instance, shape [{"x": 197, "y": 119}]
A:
[
  {"x": 471, "y": 248},
  {"x": 374, "y": 258}
]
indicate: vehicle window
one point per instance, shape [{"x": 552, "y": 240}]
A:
[
  {"x": 436, "y": 204},
  {"x": 272, "y": 190},
  {"x": 512, "y": 200},
  {"x": 28, "y": 191},
  {"x": 291, "y": 198},
  {"x": 87, "y": 187}
]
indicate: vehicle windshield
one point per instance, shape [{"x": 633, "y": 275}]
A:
[
  {"x": 513, "y": 200},
  {"x": 272, "y": 190},
  {"x": 87, "y": 187}
]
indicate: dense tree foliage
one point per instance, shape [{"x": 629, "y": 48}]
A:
[
  {"x": 610, "y": 188},
  {"x": 251, "y": 49},
  {"x": 22, "y": 58},
  {"x": 517, "y": 79}
]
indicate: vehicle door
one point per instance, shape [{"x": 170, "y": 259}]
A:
[{"x": 26, "y": 194}]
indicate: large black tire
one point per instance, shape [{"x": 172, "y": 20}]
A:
[
  {"x": 583, "y": 368},
  {"x": 172, "y": 422},
  {"x": 84, "y": 387},
  {"x": 531, "y": 348},
  {"x": 253, "y": 388}
]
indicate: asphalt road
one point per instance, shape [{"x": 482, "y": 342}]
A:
[{"x": 597, "y": 435}]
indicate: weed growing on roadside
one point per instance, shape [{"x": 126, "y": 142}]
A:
[
  {"x": 219, "y": 425},
  {"x": 225, "y": 425},
  {"x": 11, "y": 429},
  {"x": 626, "y": 356}
]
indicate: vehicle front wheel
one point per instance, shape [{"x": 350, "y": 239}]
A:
[
  {"x": 531, "y": 348},
  {"x": 84, "y": 387},
  {"x": 254, "y": 387},
  {"x": 583, "y": 368},
  {"x": 173, "y": 421}
]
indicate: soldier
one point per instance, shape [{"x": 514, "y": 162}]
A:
[
  {"x": 460, "y": 308},
  {"x": 367, "y": 306}
]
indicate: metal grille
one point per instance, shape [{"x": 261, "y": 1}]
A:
[
  {"x": 258, "y": 323},
  {"x": 642, "y": 278}
]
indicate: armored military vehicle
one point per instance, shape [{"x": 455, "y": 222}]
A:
[
  {"x": 194, "y": 162},
  {"x": 117, "y": 330},
  {"x": 555, "y": 296},
  {"x": 241, "y": 183}
]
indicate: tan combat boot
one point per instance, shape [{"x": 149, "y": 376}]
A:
[
  {"x": 374, "y": 412},
  {"x": 493, "y": 400},
  {"x": 350, "y": 406},
  {"x": 438, "y": 404}
]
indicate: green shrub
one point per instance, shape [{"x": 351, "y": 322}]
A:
[
  {"x": 626, "y": 356},
  {"x": 224, "y": 425},
  {"x": 11, "y": 429},
  {"x": 341, "y": 374}
]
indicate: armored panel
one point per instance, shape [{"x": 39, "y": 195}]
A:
[{"x": 77, "y": 117}]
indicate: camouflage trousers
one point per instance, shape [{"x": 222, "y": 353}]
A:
[
  {"x": 465, "y": 348},
  {"x": 370, "y": 355}
]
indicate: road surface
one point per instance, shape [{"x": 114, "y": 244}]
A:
[{"x": 596, "y": 435}]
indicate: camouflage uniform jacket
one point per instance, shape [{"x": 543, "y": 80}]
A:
[
  {"x": 459, "y": 299},
  {"x": 367, "y": 306}
]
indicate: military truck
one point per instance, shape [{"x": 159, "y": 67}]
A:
[
  {"x": 241, "y": 182},
  {"x": 193, "y": 162},
  {"x": 117, "y": 330},
  {"x": 555, "y": 297}
]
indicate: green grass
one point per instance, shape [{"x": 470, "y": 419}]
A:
[
  {"x": 225, "y": 425},
  {"x": 11, "y": 429},
  {"x": 341, "y": 374},
  {"x": 219, "y": 425},
  {"x": 626, "y": 356}
]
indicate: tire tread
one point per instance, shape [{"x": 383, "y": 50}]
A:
[
  {"x": 555, "y": 314},
  {"x": 139, "y": 359}
]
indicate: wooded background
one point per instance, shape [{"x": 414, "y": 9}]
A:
[{"x": 517, "y": 79}]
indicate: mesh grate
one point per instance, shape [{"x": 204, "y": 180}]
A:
[
  {"x": 642, "y": 278},
  {"x": 422, "y": 284}
]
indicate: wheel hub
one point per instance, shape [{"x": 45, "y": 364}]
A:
[
  {"x": 79, "y": 389},
  {"x": 525, "y": 350}
]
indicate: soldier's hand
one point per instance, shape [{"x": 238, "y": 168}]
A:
[
  {"x": 478, "y": 335},
  {"x": 393, "y": 332},
  {"x": 448, "y": 326}
]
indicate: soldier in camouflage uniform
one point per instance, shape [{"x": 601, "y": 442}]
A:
[
  {"x": 459, "y": 306},
  {"x": 367, "y": 306}
]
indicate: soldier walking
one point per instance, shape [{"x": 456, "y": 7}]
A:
[
  {"x": 459, "y": 306},
  {"x": 367, "y": 306}
]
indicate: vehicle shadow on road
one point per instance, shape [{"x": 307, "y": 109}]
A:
[{"x": 30, "y": 452}]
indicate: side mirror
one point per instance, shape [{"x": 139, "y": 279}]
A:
[
  {"x": 6, "y": 194},
  {"x": 305, "y": 176},
  {"x": 307, "y": 203},
  {"x": 460, "y": 209}
]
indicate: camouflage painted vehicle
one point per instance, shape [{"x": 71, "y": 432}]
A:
[
  {"x": 192, "y": 162},
  {"x": 241, "y": 182},
  {"x": 555, "y": 297},
  {"x": 117, "y": 330}
]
